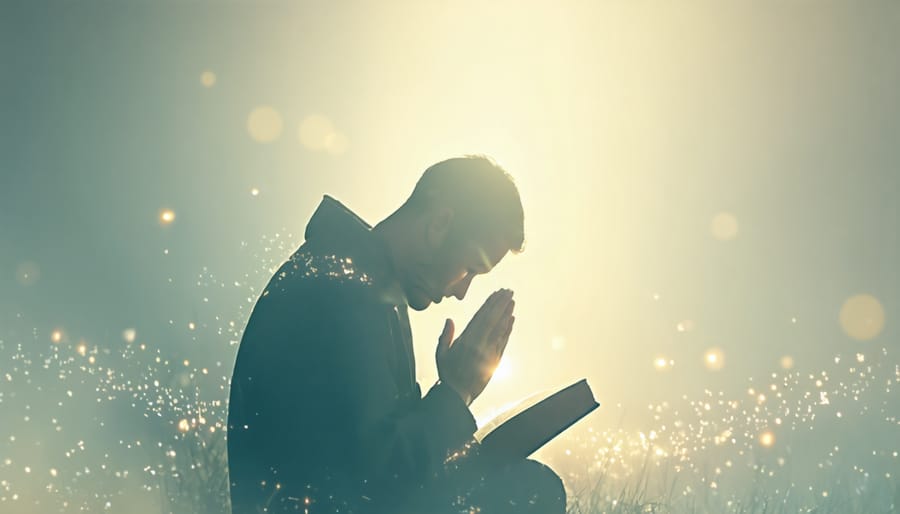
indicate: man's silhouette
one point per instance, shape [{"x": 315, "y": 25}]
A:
[{"x": 325, "y": 414}]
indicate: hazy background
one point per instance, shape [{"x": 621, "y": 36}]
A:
[{"x": 708, "y": 188}]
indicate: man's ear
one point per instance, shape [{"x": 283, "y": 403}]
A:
[{"x": 438, "y": 226}]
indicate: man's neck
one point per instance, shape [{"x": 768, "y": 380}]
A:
[
  {"x": 392, "y": 234},
  {"x": 392, "y": 242}
]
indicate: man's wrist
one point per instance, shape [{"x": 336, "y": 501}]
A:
[{"x": 467, "y": 399}]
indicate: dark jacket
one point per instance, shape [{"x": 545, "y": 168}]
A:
[{"x": 324, "y": 406}]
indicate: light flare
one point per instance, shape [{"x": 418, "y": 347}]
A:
[
  {"x": 714, "y": 359},
  {"x": 767, "y": 439},
  {"x": 166, "y": 216}
]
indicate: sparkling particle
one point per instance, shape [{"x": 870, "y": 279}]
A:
[
  {"x": 684, "y": 326},
  {"x": 27, "y": 273},
  {"x": 714, "y": 359},
  {"x": 767, "y": 439}
]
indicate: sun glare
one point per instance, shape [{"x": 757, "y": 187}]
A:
[{"x": 503, "y": 370}]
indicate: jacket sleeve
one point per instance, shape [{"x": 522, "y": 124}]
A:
[{"x": 401, "y": 439}]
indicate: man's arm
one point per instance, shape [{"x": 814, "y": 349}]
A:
[
  {"x": 391, "y": 441},
  {"x": 409, "y": 439}
]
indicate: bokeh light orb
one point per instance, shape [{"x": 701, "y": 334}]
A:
[
  {"x": 336, "y": 143},
  {"x": 166, "y": 216},
  {"x": 684, "y": 325},
  {"x": 862, "y": 317},
  {"x": 57, "y": 336},
  {"x": 557, "y": 343},
  {"x": 208, "y": 78},
  {"x": 129, "y": 335},
  {"x": 787, "y": 362},
  {"x": 264, "y": 124},
  {"x": 767, "y": 439},
  {"x": 662, "y": 363},
  {"x": 724, "y": 226},
  {"x": 714, "y": 359},
  {"x": 27, "y": 273},
  {"x": 315, "y": 132}
]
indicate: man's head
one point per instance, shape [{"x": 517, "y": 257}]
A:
[{"x": 461, "y": 219}]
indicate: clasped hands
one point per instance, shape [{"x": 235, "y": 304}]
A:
[{"x": 468, "y": 363}]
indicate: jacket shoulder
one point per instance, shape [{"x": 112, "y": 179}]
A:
[
  {"x": 312, "y": 270},
  {"x": 316, "y": 279}
]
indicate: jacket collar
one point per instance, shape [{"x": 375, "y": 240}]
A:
[
  {"x": 335, "y": 225},
  {"x": 334, "y": 228}
]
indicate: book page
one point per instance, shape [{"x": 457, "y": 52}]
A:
[
  {"x": 513, "y": 409},
  {"x": 520, "y": 431}
]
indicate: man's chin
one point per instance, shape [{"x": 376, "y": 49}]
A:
[
  {"x": 414, "y": 299},
  {"x": 418, "y": 306},
  {"x": 420, "y": 300},
  {"x": 419, "y": 303}
]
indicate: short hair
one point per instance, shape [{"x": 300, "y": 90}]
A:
[{"x": 483, "y": 195}]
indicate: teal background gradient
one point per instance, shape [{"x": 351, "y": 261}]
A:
[{"x": 628, "y": 126}]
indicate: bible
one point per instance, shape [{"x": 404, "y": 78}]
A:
[{"x": 530, "y": 424}]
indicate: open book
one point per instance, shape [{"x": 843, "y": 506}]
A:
[{"x": 530, "y": 424}]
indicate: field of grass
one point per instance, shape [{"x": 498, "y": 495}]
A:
[{"x": 197, "y": 483}]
